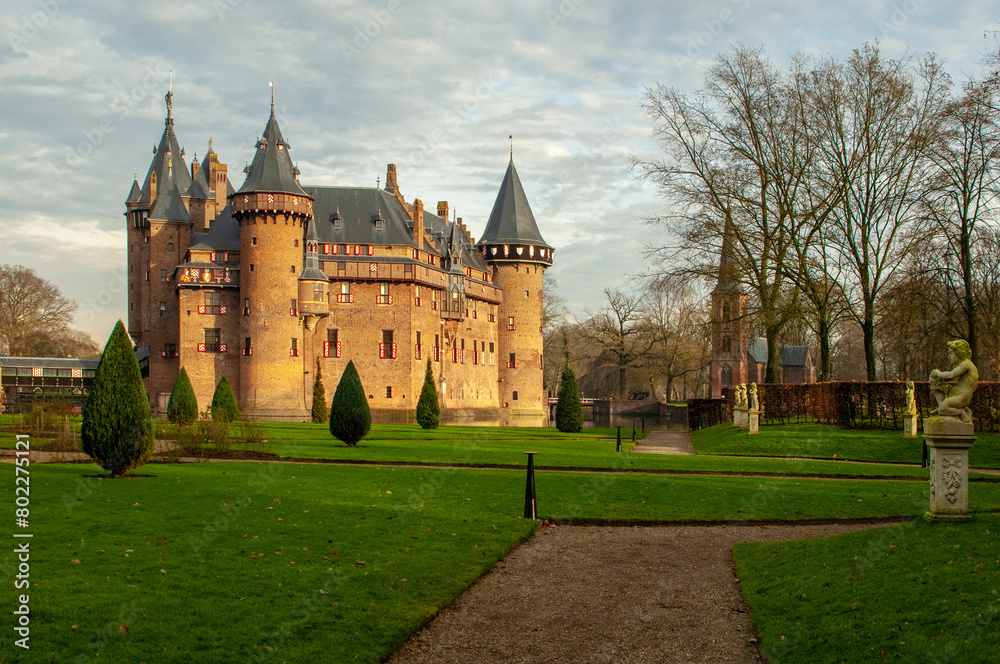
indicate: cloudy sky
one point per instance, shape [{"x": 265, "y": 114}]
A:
[{"x": 434, "y": 87}]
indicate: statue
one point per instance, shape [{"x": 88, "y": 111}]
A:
[
  {"x": 740, "y": 397},
  {"x": 752, "y": 396},
  {"x": 910, "y": 399},
  {"x": 953, "y": 389}
]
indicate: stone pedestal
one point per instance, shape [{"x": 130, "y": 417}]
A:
[
  {"x": 740, "y": 419},
  {"x": 949, "y": 440},
  {"x": 754, "y": 423},
  {"x": 910, "y": 425}
]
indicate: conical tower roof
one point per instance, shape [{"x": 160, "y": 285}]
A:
[
  {"x": 511, "y": 221},
  {"x": 169, "y": 204},
  {"x": 134, "y": 193},
  {"x": 728, "y": 281},
  {"x": 168, "y": 161},
  {"x": 272, "y": 170}
]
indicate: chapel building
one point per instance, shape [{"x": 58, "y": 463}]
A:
[{"x": 261, "y": 283}]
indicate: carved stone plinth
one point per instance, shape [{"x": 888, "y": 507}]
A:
[
  {"x": 949, "y": 440},
  {"x": 910, "y": 426},
  {"x": 740, "y": 419},
  {"x": 754, "y": 421}
]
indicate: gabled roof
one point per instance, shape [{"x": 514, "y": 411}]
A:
[
  {"x": 168, "y": 162},
  {"x": 757, "y": 349},
  {"x": 788, "y": 356},
  {"x": 511, "y": 221},
  {"x": 224, "y": 234},
  {"x": 272, "y": 169}
]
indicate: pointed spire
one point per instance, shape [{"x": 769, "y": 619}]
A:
[
  {"x": 271, "y": 84},
  {"x": 511, "y": 221},
  {"x": 728, "y": 277},
  {"x": 271, "y": 169},
  {"x": 169, "y": 98},
  {"x": 164, "y": 155}
]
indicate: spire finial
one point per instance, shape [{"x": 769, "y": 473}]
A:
[
  {"x": 210, "y": 145},
  {"x": 378, "y": 182},
  {"x": 511, "y": 137},
  {"x": 271, "y": 84},
  {"x": 136, "y": 176},
  {"x": 169, "y": 98}
]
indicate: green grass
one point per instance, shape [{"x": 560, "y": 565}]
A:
[
  {"x": 916, "y": 592},
  {"x": 826, "y": 442},
  {"x": 218, "y": 562}
]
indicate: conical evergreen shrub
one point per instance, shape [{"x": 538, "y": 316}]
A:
[
  {"x": 569, "y": 409},
  {"x": 428, "y": 408},
  {"x": 350, "y": 416},
  {"x": 319, "y": 411},
  {"x": 224, "y": 408},
  {"x": 117, "y": 431},
  {"x": 182, "y": 409}
]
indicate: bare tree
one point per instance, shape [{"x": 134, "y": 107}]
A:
[
  {"x": 619, "y": 331},
  {"x": 31, "y": 308},
  {"x": 874, "y": 117},
  {"x": 680, "y": 326},
  {"x": 555, "y": 318}
]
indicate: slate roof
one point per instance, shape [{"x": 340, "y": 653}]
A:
[
  {"x": 224, "y": 234},
  {"x": 757, "y": 348},
  {"x": 511, "y": 221},
  {"x": 169, "y": 205},
  {"x": 48, "y": 362},
  {"x": 134, "y": 194},
  {"x": 272, "y": 169},
  {"x": 167, "y": 152},
  {"x": 200, "y": 186},
  {"x": 727, "y": 282},
  {"x": 788, "y": 356}
]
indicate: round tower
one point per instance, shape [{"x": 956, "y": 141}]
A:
[
  {"x": 512, "y": 245},
  {"x": 273, "y": 212}
]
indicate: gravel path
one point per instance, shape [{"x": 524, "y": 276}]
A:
[
  {"x": 596, "y": 595},
  {"x": 665, "y": 442}
]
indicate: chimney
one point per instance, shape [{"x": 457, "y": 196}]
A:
[
  {"x": 392, "y": 186},
  {"x": 443, "y": 210},
  {"x": 418, "y": 223},
  {"x": 466, "y": 230},
  {"x": 194, "y": 167}
]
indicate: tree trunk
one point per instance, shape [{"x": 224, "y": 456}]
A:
[
  {"x": 824, "y": 349},
  {"x": 621, "y": 381},
  {"x": 970, "y": 304},
  {"x": 773, "y": 354},
  {"x": 868, "y": 328}
]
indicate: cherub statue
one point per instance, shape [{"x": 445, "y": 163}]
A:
[
  {"x": 752, "y": 396},
  {"x": 741, "y": 398},
  {"x": 910, "y": 399},
  {"x": 953, "y": 389}
]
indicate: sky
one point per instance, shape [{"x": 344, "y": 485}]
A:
[{"x": 433, "y": 87}]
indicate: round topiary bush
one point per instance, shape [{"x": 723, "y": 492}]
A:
[
  {"x": 569, "y": 409},
  {"x": 350, "y": 416},
  {"x": 224, "y": 408},
  {"x": 428, "y": 408},
  {"x": 182, "y": 408},
  {"x": 117, "y": 431}
]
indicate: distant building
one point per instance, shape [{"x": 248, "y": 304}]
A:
[
  {"x": 27, "y": 380},
  {"x": 736, "y": 357},
  {"x": 258, "y": 284}
]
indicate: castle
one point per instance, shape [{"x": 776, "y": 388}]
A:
[{"x": 260, "y": 284}]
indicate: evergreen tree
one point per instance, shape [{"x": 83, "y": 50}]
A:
[
  {"x": 182, "y": 408},
  {"x": 224, "y": 408},
  {"x": 319, "y": 411},
  {"x": 350, "y": 416},
  {"x": 569, "y": 409},
  {"x": 428, "y": 409},
  {"x": 117, "y": 431}
]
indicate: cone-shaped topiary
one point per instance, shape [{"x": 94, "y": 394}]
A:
[
  {"x": 428, "y": 408},
  {"x": 350, "y": 417},
  {"x": 182, "y": 408},
  {"x": 224, "y": 408},
  {"x": 117, "y": 431},
  {"x": 319, "y": 411},
  {"x": 569, "y": 410}
]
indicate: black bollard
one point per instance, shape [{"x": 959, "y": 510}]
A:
[
  {"x": 530, "y": 507},
  {"x": 643, "y": 424},
  {"x": 923, "y": 456},
  {"x": 633, "y": 431},
  {"x": 618, "y": 445}
]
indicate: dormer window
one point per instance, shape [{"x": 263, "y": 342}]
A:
[
  {"x": 338, "y": 222},
  {"x": 379, "y": 222}
]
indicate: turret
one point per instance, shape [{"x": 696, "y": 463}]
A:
[
  {"x": 313, "y": 283},
  {"x": 273, "y": 212},
  {"x": 519, "y": 255}
]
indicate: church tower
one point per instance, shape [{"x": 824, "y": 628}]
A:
[
  {"x": 729, "y": 324},
  {"x": 273, "y": 212},
  {"x": 512, "y": 245}
]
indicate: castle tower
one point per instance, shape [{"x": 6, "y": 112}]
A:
[
  {"x": 159, "y": 233},
  {"x": 512, "y": 245},
  {"x": 729, "y": 325},
  {"x": 273, "y": 212},
  {"x": 208, "y": 191}
]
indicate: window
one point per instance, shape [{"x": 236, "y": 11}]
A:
[
  {"x": 163, "y": 309},
  {"x": 295, "y": 243},
  {"x": 212, "y": 305},
  {"x": 292, "y": 269},
  {"x": 388, "y": 391},
  {"x": 251, "y": 267},
  {"x": 294, "y": 308},
  {"x": 317, "y": 292},
  {"x": 294, "y": 350},
  {"x": 434, "y": 300},
  {"x": 247, "y": 347},
  {"x": 417, "y": 301},
  {"x": 345, "y": 296},
  {"x": 408, "y": 270},
  {"x": 169, "y": 350},
  {"x": 512, "y": 363},
  {"x": 253, "y": 241},
  {"x": 417, "y": 350},
  {"x": 163, "y": 276},
  {"x": 331, "y": 347},
  {"x": 510, "y": 323},
  {"x": 213, "y": 341},
  {"x": 513, "y": 396},
  {"x": 461, "y": 354},
  {"x": 387, "y": 349},
  {"x": 383, "y": 294},
  {"x": 526, "y": 295},
  {"x": 726, "y": 377},
  {"x": 437, "y": 347},
  {"x": 727, "y": 344},
  {"x": 170, "y": 246},
  {"x": 246, "y": 306}
]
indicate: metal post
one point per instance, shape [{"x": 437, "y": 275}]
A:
[
  {"x": 633, "y": 431},
  {"x": 618, "y": 445},
  {"x": 644, "y": 424},
  {"x": 923, "y": 455},
  {"x": 530, "y": 507}
]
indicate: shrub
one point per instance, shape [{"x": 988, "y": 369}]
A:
[
  {"x": 117, "y": 431},
  {"x": 224, "y": 408},
  {"x": 569, "y": 409},
  {"x": 182, "y": 408},
  {"x": 350, "y": 417},
  {"x": 428, "y": 408},
  {"x": 319, "y": 411}
]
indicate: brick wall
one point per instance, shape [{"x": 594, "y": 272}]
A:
[{"x": 522, "y": 300}]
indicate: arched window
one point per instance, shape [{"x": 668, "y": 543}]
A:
[
  {"x": 727, "y": 345},
  {"x": 726, "y": 378},
  {"x": 725, "y": 312}
]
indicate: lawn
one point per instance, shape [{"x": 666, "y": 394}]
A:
[
  {"x": 917, "y": 592},
  {"x": 827, "y": 442}
]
